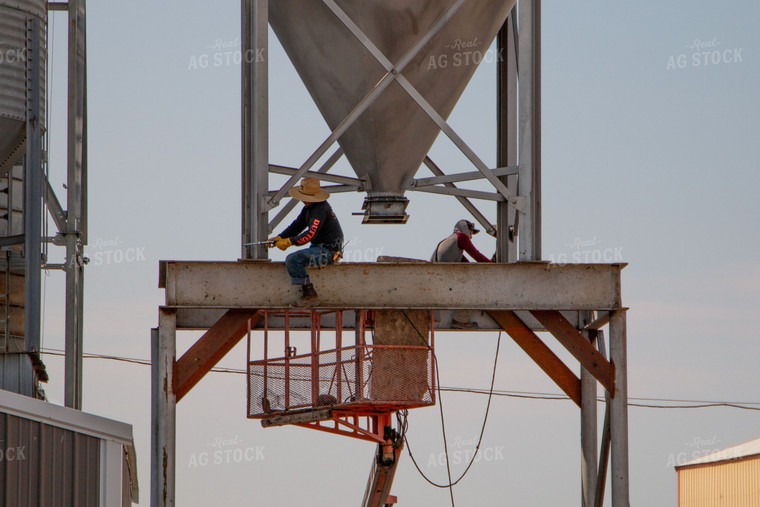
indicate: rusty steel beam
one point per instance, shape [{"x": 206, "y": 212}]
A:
[
  {"x": 164, "y": 410},
  {"x": 604, "y": 451},
  {"x": 619, "y": 471},
  {"x": 540, "y": 353},
  {"x": 211, "y": 348},
  {"x": 520, "y": 286},
  {"x": 579, "y": 346},
  {"x": 300, "y": 417}
]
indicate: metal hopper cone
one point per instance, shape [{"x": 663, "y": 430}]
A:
[{"x": 389, "y": 141}]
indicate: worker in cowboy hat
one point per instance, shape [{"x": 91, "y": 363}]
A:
[
  {"x": 316, "y": 224},
  {"x": 452, "y": 249}
]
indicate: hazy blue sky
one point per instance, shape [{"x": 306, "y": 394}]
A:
[{"x": 646, "y": 155}]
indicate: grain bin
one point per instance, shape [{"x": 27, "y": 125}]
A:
[{"x": 14, "y": 57}]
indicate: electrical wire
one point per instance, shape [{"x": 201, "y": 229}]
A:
[
  {"x": 550, "y": 396},
  {"x": 482, "y": 429},
  {"x": 443, "y": 430},
  {"x": 530, "y": 395}
]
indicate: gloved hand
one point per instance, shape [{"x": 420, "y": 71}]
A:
[
  {"x": 272, "y": 241},
  {"x": 283, "y": 244}
]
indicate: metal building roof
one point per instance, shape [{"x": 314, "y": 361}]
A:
[
  {"x": 744, "y": 450},
  {"x": 63, "y": 417}
]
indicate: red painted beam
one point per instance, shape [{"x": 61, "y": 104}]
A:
[
  {"x": 579, "y": 346},
  {"x": 211, "y": 348},
  {"x": 539, "y": 352}
]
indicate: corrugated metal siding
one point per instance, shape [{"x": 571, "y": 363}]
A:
[
  {"x": 13, "y": 51},
  {"x": 13, "y": 72},
  {"x": 48, "y": 466},
  {"x": 16, "y": 373},
  {"x": 727, "y": 484}
]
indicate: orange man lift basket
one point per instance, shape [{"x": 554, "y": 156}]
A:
[{"x": 316, "y": 380}]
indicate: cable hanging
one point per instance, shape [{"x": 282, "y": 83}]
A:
[{"x": 482, "y": 429}]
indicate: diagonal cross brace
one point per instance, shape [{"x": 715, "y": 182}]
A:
[
  {"x": 516, "y": 201},
  {"x": 469, "y": 206},
  {"x": 211, "y": 348},
  {"x": 579, "y": 346},
  {"x": 367, "y": 101},
  {"x": 287, "y": 208},
  {"x": 539, "y": 352}
]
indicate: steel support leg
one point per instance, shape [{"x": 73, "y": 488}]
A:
[
  {"x": 255, "y": 123},
  {"x": 506, "y": 215},
  {"x": 619, "y": 411},
  {"x": 76, "y": 204},
  {"x": 529, "y": 179},
  {"x": 604, "y": 450},
  {"x": 588, "y": 437},
  {"x": 74, "y": 311},
  {"x": 32, "y": 200},
  {"x": 163, "y": 413}
]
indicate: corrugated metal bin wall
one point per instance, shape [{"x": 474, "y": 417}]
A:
[{"x": 734, "y": 483}]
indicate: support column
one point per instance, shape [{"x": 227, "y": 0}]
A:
[
  {"x": 588, "y": 434},
  {"x": 529, "y": 177},
  {"x": 163, "y": 410},
  {"x": 255, "y": 123},
  {"x": 506, "y": 226},
  {"x": 619, "y": 411},
  {"x": 32, "y": 200},
  {"x": 75, "y": 204},
  {"x": 604, "y": 449}
]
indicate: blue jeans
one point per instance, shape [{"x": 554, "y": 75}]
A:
[{"x": 298, "y": 261}]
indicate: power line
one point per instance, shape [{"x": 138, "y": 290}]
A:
[
  {"x": 530, "y": 395},
  {"x": 552, "y": 396}
]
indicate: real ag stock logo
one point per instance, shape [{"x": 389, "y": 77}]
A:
[
  {"x": 226, "y": 451},
  {"x": 704, "y": 53},
  {"x": 107, "y": 251}
]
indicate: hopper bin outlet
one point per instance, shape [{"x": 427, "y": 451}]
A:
[{"x": 385, "y": 209}]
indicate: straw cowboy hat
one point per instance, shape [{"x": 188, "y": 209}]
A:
[{"x": 309, "y": 191}]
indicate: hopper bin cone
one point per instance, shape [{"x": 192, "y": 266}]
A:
[{"x": 387, "y": 144}]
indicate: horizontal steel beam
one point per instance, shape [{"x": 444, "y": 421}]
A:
[
  {"x": 306, "y": 416},
  {"x": 58, "y": 6},
  {"x": 472, "y": 194},
  {"x": 201, "y": 319},
  {"x": 520, "y": 286},
  {"x": 334, "y": 178},
  {"x": 452, "y": 178},
  {"x": 602, "y": 320},
  {"x": 17, "y": 239},
  {"x": 332, "y": 189}
]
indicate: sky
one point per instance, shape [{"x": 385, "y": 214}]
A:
[{"x": 650, "y": 156}]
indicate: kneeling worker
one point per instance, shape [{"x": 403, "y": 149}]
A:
[
  {"x": 316, "y": 224},
  {"x": 452, "y": 249}
]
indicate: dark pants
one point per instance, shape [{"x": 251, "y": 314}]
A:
[{"x": 298, "y": 261}]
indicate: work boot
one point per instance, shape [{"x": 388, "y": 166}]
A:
[{"x": 308, "y": 298}]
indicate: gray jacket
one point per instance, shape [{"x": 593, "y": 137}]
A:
[{"x": 448, "y": 250}]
